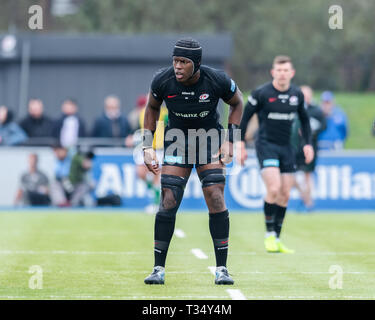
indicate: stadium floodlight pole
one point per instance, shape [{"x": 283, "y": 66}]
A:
[{"x": 24, "y": 78}]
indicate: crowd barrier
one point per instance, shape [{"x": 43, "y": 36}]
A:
[{"x": 342, "y": 180}]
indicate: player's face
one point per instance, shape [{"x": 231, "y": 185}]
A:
[
  {"x": 183, "y": 68},
  {"x": 283, "y": 73}
]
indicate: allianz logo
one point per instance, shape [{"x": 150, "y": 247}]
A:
[
  {"x": 332, "y": 182},
  {"x": 281, "y": 116}
]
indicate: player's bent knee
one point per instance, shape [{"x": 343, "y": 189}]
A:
[
  {"x": 211, "y": 177},
  {"x": 172, "y": 193}
]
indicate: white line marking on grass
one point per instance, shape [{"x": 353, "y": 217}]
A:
[
  {"x": 4, "y": 252},
  {"x": 212, "y": 270},
  {"x": 179, "y": 233},
  {"x": 236, "y": 294},
  {"x": 358, "y": 253},
  {"x": 140, "y": 297},
  {"x": 199, "y": 253}
]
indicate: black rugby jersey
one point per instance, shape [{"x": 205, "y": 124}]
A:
[
  {"x": 193, "y": 106},
  {"x": 276, "y": 111}
]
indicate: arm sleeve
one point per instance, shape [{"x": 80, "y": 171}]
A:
[
  {"x": 228, "y": 87},
  {"x": 156, "y": 87},
  {"x": 305, "y": 121},
  {"x": 323, "y": 122},
  {"x": 252, "y": 106}
]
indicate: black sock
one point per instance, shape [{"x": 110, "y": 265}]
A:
[
  {"x": 269, "y": 215},
  {"x": 163, "y": 232},
  {"x": 219, "y": 229},
  {"x": 279, "y": 218}
]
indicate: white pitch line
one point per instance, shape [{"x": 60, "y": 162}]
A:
[
  {"x": 199, "y": 253},
  {"x": 179, "y": 233},
  {"x": 186, "y": 297},
  {"x": 212, "y": 270},
  {"x": 4, "y": 252},
  {"x": 236, "y": 294}
]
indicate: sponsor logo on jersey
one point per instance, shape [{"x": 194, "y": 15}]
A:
[
  {"x": 184, "y": 93},
  {"x": 186, "y": 115},
  {"x": 283, "y": 96},
  {"x": 204, "y": 114},
  {"x": 253, "y": 101},
  {"x": 293, "y": 101},
  {"x": 204, "y": 97},
  {"x": 272, "y": 99},
  {"x": 281, "y": 116}
]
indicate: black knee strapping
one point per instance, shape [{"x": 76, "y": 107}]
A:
[
  {"x": 210, "y": 177},
  {"x": 177, "y": 185}
]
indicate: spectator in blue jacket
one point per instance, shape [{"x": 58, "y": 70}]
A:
[
  {"x": 112, "y": 123},
  {"x": 336, "y": 132},
  {"x": 10, "y": 132}
]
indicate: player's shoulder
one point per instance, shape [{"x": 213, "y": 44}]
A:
[
  {"x": 215, "y": 75},
  {"x": 163, "y": 75},
  {"x": 263, "y": 88},
  {"x": 295, "y": 90}
]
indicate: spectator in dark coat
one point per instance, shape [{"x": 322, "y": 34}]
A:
[
  {"x": 36, "y": 124},
  {"x": 70, "y": 126},
  {"x": 112, "y": 123},
  {"x": 10, "y": 132}
]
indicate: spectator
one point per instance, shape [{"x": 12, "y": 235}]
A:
[
  {"x": 80, "y": 180},
  {"x": 70, "y": 126},
  {"x": 36, "y": 124},
  {"x": 61, "y": 187},
  {"x": 334, "y": 136},
  {"x": 111, "y": 124},
  {"x": 34, "y": 188},
  {"x": 10, "y": 132},
  {"x": 135, "y": 113}
]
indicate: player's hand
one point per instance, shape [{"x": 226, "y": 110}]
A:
[
  {"x": 151, "y": 161},
  {"x": 308, "y": 151},
  {"x": 241, "y": 155},
  {"x": 226, "y": 152}
]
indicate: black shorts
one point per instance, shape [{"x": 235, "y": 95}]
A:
[
  {"x": 274, "y": 155},
  {"x": 196, "y": 147}
]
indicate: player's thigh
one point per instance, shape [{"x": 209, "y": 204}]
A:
[
  {"x": 272, "y": 178},
  {"x": 287, "y": 182},
  {"x": 212, "y": 177}
]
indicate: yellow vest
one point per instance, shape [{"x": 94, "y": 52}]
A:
[{"x": 158, "y": 142}]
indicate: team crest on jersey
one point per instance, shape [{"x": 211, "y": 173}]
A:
[
  {"x": 204, "y": 97},
  {"x": 204, "y": 114},
  {"x": 293, "y": 100}
]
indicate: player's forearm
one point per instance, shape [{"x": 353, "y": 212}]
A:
[
  {"x": 236, "y": 110},
  {"x": 151, "y": 117},
  {"x": 247, "y": 114}
]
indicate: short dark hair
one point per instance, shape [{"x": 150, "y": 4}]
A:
[{"x": 282, "y": 59}]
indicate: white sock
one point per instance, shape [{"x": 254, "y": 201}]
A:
[{"x": 271, "y": 233}]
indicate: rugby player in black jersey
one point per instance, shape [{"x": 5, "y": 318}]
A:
[
  {"x": 276, "y": 103},
  {"x": 191, "y": 93}
]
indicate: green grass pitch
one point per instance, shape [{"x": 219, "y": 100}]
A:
[{"x": 107, "y": 254}]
